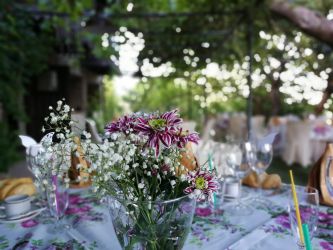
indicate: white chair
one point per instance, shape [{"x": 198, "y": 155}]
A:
[
  {"x": 92, "y": 129},
  {"x": 189, "y": 125},
  {"x": 258, "y": 125},
  {"x": 79, "y": 119},
  {"x": 237, "y": 126},
  {"x": 298, "y": 143},
  {"x": 278, "y": 125},
  {"x": 208, "y": 130}
]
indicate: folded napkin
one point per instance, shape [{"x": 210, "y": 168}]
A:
[
  {"x": 269, "y": 180},
  {"x": 317, "y": 177},
  {"x": 14, "y": 186}
]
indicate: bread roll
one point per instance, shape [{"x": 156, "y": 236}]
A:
[
  {"x": 188, "y": 159},
  {"x": 252, "y": 179},
  {"x": 272, "y": 181},
  {"x": 269, "y": 181},
  {"x": 10, "y": 184},
  {"x": 24, "y": 188}
]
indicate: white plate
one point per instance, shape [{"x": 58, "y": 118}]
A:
[{"x": 29, "y": 215}]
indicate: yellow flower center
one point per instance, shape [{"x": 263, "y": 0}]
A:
[
  {"x": 200, "y": 183},
  {"x": 157, "y": 123}
]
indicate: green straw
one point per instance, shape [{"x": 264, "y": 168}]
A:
[
  {"x": 210, "y": 164},
  {"x": 306, "y": 236}
]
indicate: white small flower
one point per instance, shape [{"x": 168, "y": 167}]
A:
[
  {"x": 50, "y": 108},
  {"x": 43, "y": 129},
  {"x": 66, "y": 108},
  {"x": 59, "y": 103},
  {"x": 141, "y": 185},
  {"x": 149, "y": 173},
  {"x": 53, "y": 120},
  {"x": 173, "y": 182}
]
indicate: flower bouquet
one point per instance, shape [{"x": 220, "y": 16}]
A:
[{"x": 152, "y": 195}]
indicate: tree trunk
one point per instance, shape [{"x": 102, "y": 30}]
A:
[
  {"x": 309, "y": 21},
  {"x": 326, "y": 95},
  {"x": 276, "y": 97}
]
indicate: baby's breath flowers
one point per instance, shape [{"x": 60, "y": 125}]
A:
[{"x": 60, "y": 142}]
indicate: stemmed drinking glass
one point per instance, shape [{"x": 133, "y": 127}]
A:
[
  {"x": 58, "y": 201},
  {"x": 236, "y": 159},
  {"x": 36, "y": 160},
  {"x": 259, "y": 156}
]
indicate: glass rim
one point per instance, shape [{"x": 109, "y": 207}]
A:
[
  {"x": 153, "y": 202},
  {"x": 305, "y": 190}
]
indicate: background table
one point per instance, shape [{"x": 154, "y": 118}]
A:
[{"x": 266, "y": 228}]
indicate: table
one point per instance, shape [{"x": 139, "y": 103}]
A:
[{"x": 266, "y": 228}]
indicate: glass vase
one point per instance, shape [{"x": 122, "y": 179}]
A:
[
  {"x": 153, "y": 224},
  {"x": 58, "y": 201}
]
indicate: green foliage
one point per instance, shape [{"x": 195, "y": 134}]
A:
[
  {"x": 23, "y": 54},
  {"x": 112, "y": 108},
  {"x": 187, "y": 95},
  {"x": 107, "y": 110},
  {"x": 8, "y": 147}
]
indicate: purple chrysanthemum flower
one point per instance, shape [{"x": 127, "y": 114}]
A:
[
  {"x": 124, "y": 124},
  {"x": 183, "y": 137},
  {"x": 159, "y": 129},
  {"x": 202, "y": 184}
]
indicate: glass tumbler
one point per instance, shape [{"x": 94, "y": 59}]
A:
[{"x": 308, "y": 201}]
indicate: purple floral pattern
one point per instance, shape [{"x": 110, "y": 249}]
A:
[
  {"x": 281, "y": 227},
  {"x": 29, "y": 223},
  {"x": 206, "y": 223},
  {"x": 207, "y": 219},
  {"x": 82, "y": 209}
]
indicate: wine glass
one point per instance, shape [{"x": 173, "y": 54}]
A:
[
  {"x": 36, "y": 161},
  {"x": 237, "y": 162},
  {"x": 259, "y": 156},
  {"x": 58, "y": 201}
]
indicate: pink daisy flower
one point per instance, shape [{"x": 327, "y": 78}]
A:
[
  {"x": 124, "y": 124},
  {"x": 202, "y": 184},
  {"x": 160, "y": 128}
]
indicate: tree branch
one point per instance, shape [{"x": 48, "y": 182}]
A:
[{"x": 309, "y": 21}]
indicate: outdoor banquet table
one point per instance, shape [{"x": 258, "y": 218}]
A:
[{"x": 266, "y": 228}]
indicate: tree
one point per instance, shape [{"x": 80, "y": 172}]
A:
[{"x": 309, "y": 21}]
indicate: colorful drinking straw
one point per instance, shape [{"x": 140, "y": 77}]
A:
[
  {"x": 298, "y": 215},
  {"x": 210, "y": 164},
  {"x": 307, "y": 239}
]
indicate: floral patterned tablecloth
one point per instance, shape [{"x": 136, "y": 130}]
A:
[{"x": 266, "y": 228}]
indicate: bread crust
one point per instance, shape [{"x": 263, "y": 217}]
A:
[{"x": 11, "y": 186}]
